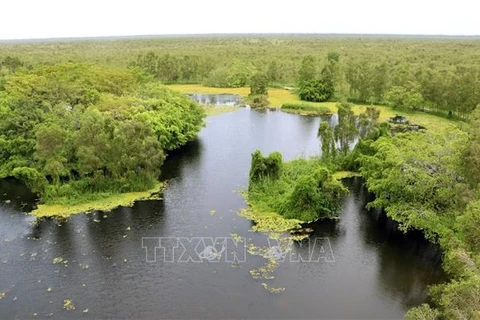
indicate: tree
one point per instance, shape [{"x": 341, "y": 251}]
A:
[
  {"x": 317, "y": 195},
  {"x": 258, "y": 84},
  {"x": 51, "y": 150},
  {"x": 272, "y": 72},
  {"x": 346, "y": 129},
  {"x": 415, "y": 176},
  {"x": 471, "y": 154},
  {"x": 308, "y": 70},
  {"x": 11, "y": 63},
  {"x": 358, "y": 76},
  {"x": 368, "y": 121},
  {"x": 328, "y": 78},
  {"x": 405, "y": 97},
  {"x": 268, "y": 167},
  {"x": 73, "y": 132},
  {"x": 333, "y": 56},
  {"x": 326, "y": 135}
]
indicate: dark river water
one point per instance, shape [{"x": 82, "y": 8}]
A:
[{"x": 377, "y": 272}]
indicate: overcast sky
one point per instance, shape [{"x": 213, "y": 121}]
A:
[{"x": 25, "y": 19}]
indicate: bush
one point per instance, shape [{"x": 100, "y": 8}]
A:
[
  {"x": 315, "y": 196},
  {"x": 296, "y": 192},
  {"x": 265, "y": 167},
  {"x": 314, "y": 90},
  {"x": 307, "y": 108},
  {"x": 258, "y": 101}
]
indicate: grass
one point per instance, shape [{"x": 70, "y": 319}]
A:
[
  {"x": 306, "y": 109},
  {"x": 107, "y": 204},
  {"x": 279, "y": 97}
]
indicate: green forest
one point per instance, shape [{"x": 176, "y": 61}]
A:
[
  {"x": 78, "y": 132},
  {"x": 436, "y": 74},
  {"x": 84, "y": 119},
  {"x": 424, "y": 180}
]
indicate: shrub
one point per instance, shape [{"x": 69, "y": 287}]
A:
[
  {"x": 308, "y": 108},
  {"x": 265, "y": 167}
]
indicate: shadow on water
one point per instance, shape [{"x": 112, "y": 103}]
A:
[
  {"x": 378, "y": 271},
  {"x": 178, "y": 159},
  {"x": 17, "y": 195},
  {"x": 407, "y": 261}
]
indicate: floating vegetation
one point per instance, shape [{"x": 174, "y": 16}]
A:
[
  {"x": 236, "y": 237},
  {"x": 106, "y": 204},
  {"x": 68, "y": 305},
  {"x": 59, "y": 260},
  {"x": 266, "y": 271},
  {"x": 269, "y": 222},
  {"x": 272, "y": 289},
  {"x": 212, "y": 212}
]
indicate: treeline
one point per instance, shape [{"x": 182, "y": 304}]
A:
[
  {"x": 449, "y": 90},
  {"x": 434, "y": 87},
  {"x": 75, "y": 132},
  {"x": 172, "y": 69},
  {"x": 426, "y": 181},
  {"x": 433, "y": 74}
]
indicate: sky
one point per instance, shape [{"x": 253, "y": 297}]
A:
[{"x": 36, "y": 19}]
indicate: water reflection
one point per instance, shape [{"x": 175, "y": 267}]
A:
[
  {"x": 216, "y": 99},
  {"x": 378, "y": 272}
]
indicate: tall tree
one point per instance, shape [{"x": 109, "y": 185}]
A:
[
  {"x": 325, "y": 133},
  {"x": 346, "y": 129}
]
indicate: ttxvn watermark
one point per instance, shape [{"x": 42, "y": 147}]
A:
[{"x": 233, "y": 250}]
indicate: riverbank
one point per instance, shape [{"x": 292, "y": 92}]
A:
[
  {"x": 106, "y": 204},
  {"x": 279, "y": 97}
]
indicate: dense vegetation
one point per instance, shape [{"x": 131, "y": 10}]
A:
[
  {"x": 424, "y": 180},
  {"x": 304, "y": 189},
  {"x": 77, "y": 132},
  {"x": 433, "y": 74},
  {"x": 418, "y": 179},
  {"x": 72, "y": 130},
  {"x": 306, "y": 109},
  {"x": 300, "y": 189}
]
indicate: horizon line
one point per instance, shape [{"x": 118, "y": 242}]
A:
[{"x": 186, "y": 35}]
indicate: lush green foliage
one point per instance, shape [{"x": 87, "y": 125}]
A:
[
  {"x": 300, "y": 189},
  {"x": 268, "y": 167},
  {"x": 306, "y": 108},
  {"x": 327, "y": 138},
  {"x": 417, "y": 177},
  {"x": 75, "y": 131},
  {"x": 446, "y": 69},
  {"x": 346, "y": 129},
  {"x": 471, "y": 155},
  {"x": 313, "y": 87},
  {"x": 406, "y": 97}
]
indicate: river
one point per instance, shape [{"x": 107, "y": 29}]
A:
[{"x": 97, "y": 260}]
